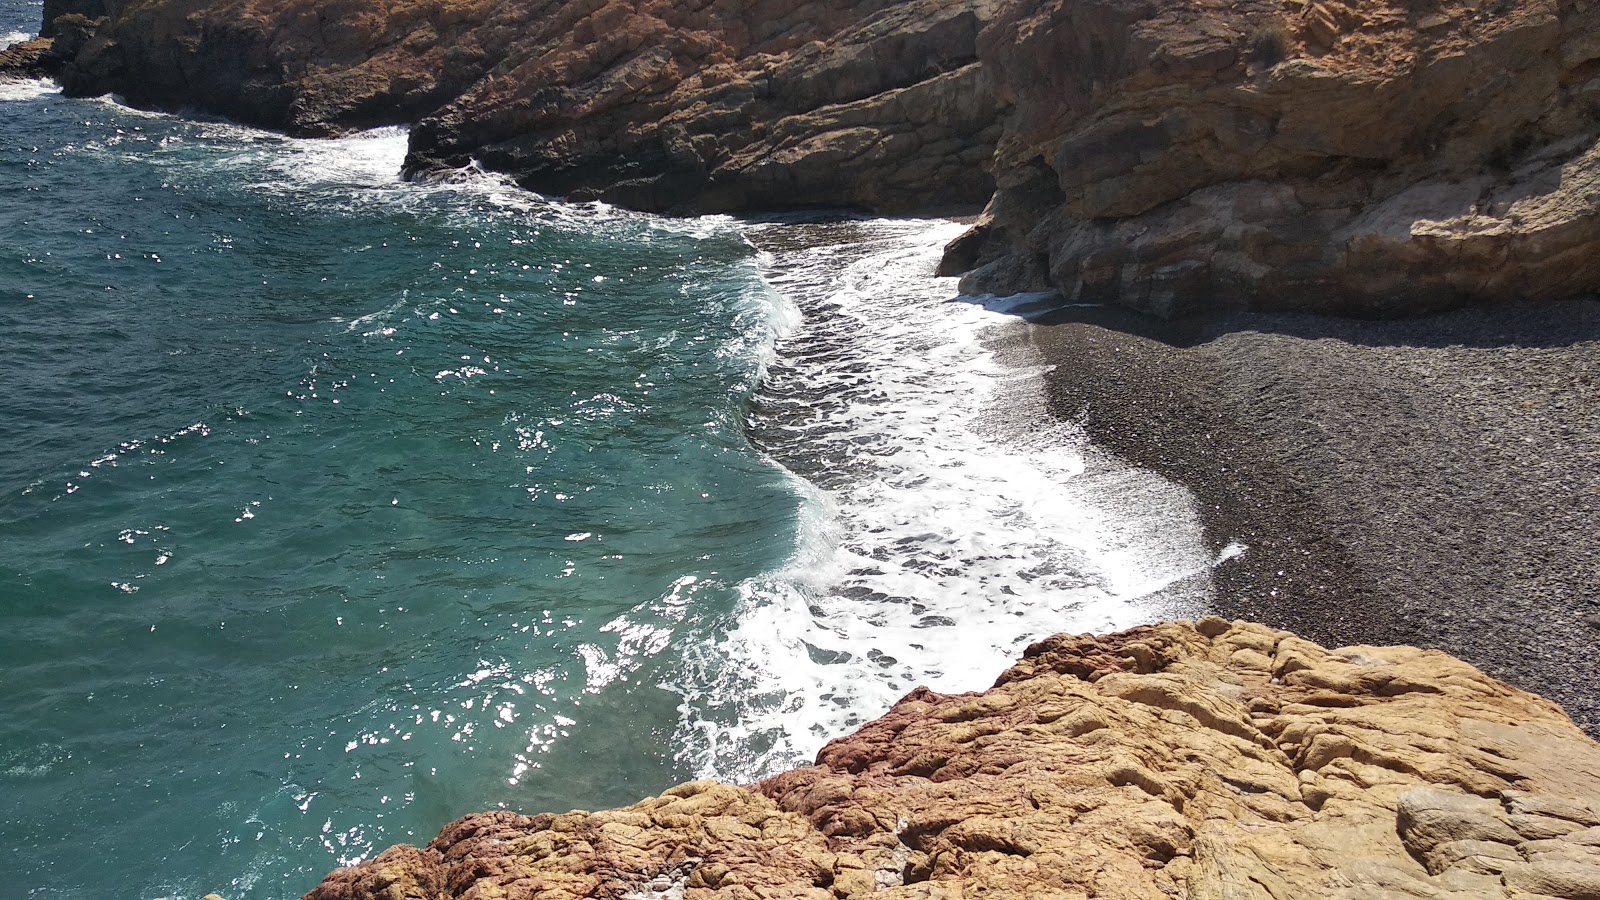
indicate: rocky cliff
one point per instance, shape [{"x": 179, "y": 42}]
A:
[
  {"x": 655, "y": 104},
  {"x": 1211, "y": 760},
  {"x": 296, "y": 65},
  {"x": 1364, "y": 156},
  {"x": 1370, "y": 156}
]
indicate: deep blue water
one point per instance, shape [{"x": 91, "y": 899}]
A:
[{"x": 334, "y": 507}]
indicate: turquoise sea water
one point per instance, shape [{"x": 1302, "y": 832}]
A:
[{"x": 334, "y": 507}]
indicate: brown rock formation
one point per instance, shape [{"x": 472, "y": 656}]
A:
[
  {"x": 696, "y": 107},
  {"x": 1372, "y": 156},
  {"x": 655, "y": 104},
  {"x": 1202, "y": 761},
  {"x": 29, "y": 59},
  {"x": 297, "y": 65},
  {"x": 51, "y": 53},
  {"x": 1367, "y": 156}
]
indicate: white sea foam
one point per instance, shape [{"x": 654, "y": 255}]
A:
[
  {"x": 938, "y": 539},
  {"x": 28, "y": 89},
  {"x": 363, "y": 161},
  {"x": 367, "y": 159},
  {"x": 11, "y": 38}
]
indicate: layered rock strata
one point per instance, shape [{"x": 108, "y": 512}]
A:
[
  {"x": 711, "y": 107},
  {"x": 1350, "y": 156},
  {"x": 29, "y": 59},
  {"x": 1211, "y": 760}
]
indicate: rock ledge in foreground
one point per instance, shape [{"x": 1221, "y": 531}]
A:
[{"x": 1206, "y": 760}]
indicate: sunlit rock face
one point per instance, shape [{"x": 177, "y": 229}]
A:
[
  {"x": 1199, "y": 760},
  {"x": 1382, "y": 158}
]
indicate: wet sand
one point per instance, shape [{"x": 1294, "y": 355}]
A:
[{"x": 1433, "y": 482}]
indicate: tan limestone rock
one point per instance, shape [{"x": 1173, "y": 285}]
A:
[{"x": 1205, "y": 760}]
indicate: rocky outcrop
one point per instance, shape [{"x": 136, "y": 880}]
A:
[
  {"x": 710, "y": 107},
  {"x": 296, "y": 65},
  {"x": 1368, "y": 156},
  {"x": 50, "y": 53},
  {"x": 1211, "y": 760},
  {"x": 28, "y": 59},
  {"x": 1359, "y": 156},
  {"x": 655, "y": 104}
]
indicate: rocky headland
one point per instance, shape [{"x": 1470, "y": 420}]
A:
[
  {"x": 1377, "y": 157},
  {"x": 1206, "y": 760},
  {"x": 656, "y": 105}
]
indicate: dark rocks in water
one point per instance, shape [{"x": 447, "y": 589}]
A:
[
  {"x": 1386, "y": 158},
  {"x": 53, "y": 53},
  {"x": 29, "y": 59},
  {"x": 298, "y": 66}
]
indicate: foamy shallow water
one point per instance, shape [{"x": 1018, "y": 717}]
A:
[
  {"x": 345, "y": 506},
  {"x": 950, "y": 520}
]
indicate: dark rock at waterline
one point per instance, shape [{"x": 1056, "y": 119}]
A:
[
  {"x": 696, "y": 108},
  {"x": 1377, "y": 159},
  {"x": 51, "y": 54},
  {"x": 1350, "y": 158},
  {"x": 299, "y": 66},
  {"x": 683, "y": 107}
]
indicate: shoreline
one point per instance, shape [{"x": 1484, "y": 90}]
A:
[{"x": 1432, "y": 482}]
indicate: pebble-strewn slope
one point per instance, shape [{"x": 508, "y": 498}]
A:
[{"x": 1201, "y": 761}]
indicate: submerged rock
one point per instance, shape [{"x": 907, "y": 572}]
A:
[{"x": 1203, "y": 760}]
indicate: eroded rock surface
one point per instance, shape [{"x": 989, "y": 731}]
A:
[
  {"x": 1211, "y": 760},
  {"x": 1356, "y": 156},
  {"x": 28, "y": 59},
  {"x": 1368, "y": 156}
]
